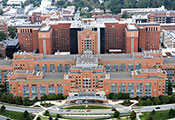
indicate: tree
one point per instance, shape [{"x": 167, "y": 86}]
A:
[
  {"x": 116, "y": 114},
  {"x": 153, "y": 112},
  {"x": 2, "y": 36},
  {"x": 3, "y": 108},
  {"x": 38, "y": 118},
  {"x": 56, "y": 118},
  {"x": 46, "y": 113},
  {"x": 26, "y": 114},
  {"x": 148, "y": 101},
  {"x": 133, "y": 115},
  {"x": 171, "y": 112},
  {"x": 12, "y": 31},
  {"x": 50, "y": 118},
  {"x": 26, "y": 101},
  {"x": 1, "y": 12},
  {"x": 156, "y": 101},
  {"x": 170, "y": 90}
]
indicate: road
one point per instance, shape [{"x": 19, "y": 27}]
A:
[
  {"x": 3, "y": 118},
  {"x": 150, "y": 108},
  {"x": 22, "y": 109}
]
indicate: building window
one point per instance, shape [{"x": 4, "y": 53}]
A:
[
  {"x": 131, "y": 89},
  {"x": 5, "y": 72},
  {"x": 44, "y": 68},
  {"x": 59, "y": 68},
  {"x": 130, "y": 67},
  {"x": 26, "y": 90},
  {"x": 86, "y": 83},
  {"x": 52, "y": 68},
  {"x": 122, "y": 88},
  {"x": 108, "y": 68},
  {"x": 37, "y": 68},
  {"x": 0, "y": 76},
  {"x": 113, "y": 88},
  {"x": 51, "y": 89},
  {"x": 138, "y": 66},
  {"x": 66, "y": 67},
  {"x": 59, "y": 89},
  {"x": 34, "y": 91},
  {"x": 115, "y": 68},
  {"x": 148, "y": 89},
  {"x": 139, "y": 90},
  {"x": 87, "y": 44},
  {"x": 42, "y": 90},
  {"x": 123, "y": 68}
]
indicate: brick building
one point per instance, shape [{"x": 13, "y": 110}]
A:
[
  {"x": 111, "y": 35},
  {"x": 3, "y": 26},
  {"x": 162, "y": 16},
  {"x": 139, "y": 74}
]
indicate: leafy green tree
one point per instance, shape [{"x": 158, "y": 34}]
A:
[
  {"x": 2, "y": 36},
  {"x": 58, "y": 116},
  {"x": 153, "y": 112},
  {"x": 38, "y": 118},
  {"x": 116, "y": 114},
  {"x": 133, "y": 115},
  {"x": 26, "y": 114},
  {"x": 171, "y": 112},
  {"x": 170, "y": 90},
  {"x": 46, "y": 113},
  {"x": 156, "y": 101},
  {"x": 3, "y": 108},
  {"x": 26, "y": 101},
  {"x": 148, "y": 101},
  {"x": 50, "y": 118},
  {"x": 12, "y": 31},
  {"x": 1, "y": 12}
]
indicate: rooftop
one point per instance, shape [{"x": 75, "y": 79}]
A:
[
  {"x": 57, "y": 58},
  {"x": 118, "y": 57},
  {"x": 5, "y": 62},
  {"x": 45, "y": 29},
  {"x": 131, "y": 28}
]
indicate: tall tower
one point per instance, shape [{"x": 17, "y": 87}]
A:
[
  {"x": 45, "y": 40},
  {"x": 131, "y": 39}
]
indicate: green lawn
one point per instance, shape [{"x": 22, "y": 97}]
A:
[
  {"x": 160, "y": 115},
  {"x": 13, "y": 115},
  {"x": 89, "y": 107}
]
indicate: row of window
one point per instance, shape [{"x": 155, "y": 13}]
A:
[
  {"x": 34, "y": 90},
  {"x": 115, "y": 67},
  {"x": 139, "y": 89},
  {"x": 52, "y": 68}
]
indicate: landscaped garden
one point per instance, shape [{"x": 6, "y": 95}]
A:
[
  {"x": 87, "y": 107},
  {"x": 158, "y": 115}
]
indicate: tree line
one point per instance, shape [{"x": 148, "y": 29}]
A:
[{"x": 116, "y": 5}]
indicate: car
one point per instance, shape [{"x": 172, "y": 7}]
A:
[{"x": 157, "y": 107}]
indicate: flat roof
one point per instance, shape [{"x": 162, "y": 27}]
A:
[
  {"x": 46, "y": 76},
  {"x": 169, "y": 61},
  {"x": 147, "y": 24},
  {"x": 57, "y": 58},
  {"x": 5, "y": 62},
  {"x": 131, "y": 28},
  {"x": 118, "y": 57},
  {"x": 45, "y": 29}
]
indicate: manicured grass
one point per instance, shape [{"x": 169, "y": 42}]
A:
[
  {"x": 12, "y": 114},
  {"x": 127, "y": 104},
  {"x": 160, "y": 115},
  {"x": 44, "y": 118},
  {"x": 88, "y": 107},
  {"x": 47, "y": 104}
]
